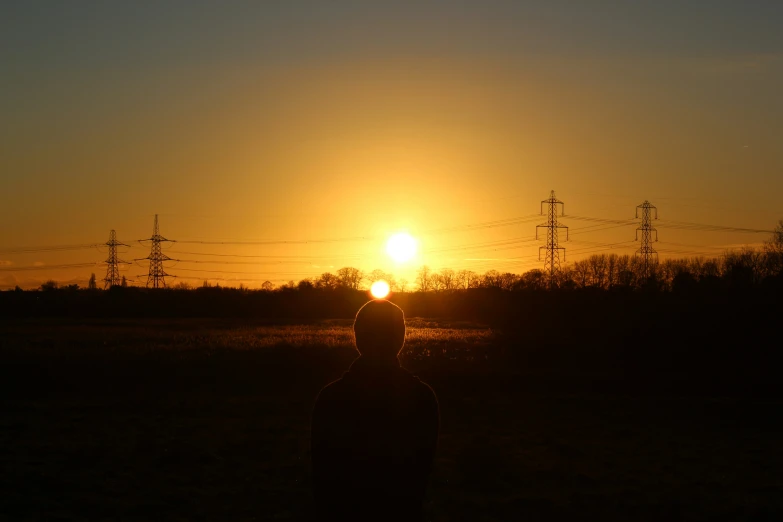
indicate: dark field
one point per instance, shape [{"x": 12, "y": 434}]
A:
[{"x": 209, "y": 420}]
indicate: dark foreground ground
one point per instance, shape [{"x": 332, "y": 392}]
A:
[{"x": 101, "y": 422}]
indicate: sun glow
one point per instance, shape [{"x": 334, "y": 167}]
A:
[
  {"x": 379, "y": 289},
  {"x": 401, "y": 247}
]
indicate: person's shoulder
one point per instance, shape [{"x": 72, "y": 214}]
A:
[
  {"x": 423, "y": 390},
  {"x": 331, "y": 390}
]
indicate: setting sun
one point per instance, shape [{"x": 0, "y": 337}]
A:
[
  {"x": 401, "y": 247},
  {"x": 379, "y": 289}
]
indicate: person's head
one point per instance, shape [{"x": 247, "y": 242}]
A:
[{"x": 379, "y": 330}]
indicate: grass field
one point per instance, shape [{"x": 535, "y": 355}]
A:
[{"x": 209, "y": 420}]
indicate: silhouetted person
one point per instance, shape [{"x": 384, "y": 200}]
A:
[{"x": 374, "y": 430}]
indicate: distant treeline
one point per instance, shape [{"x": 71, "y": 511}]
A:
[
  {"x": 459, "y": 294},
  {"x": 746, "y": 267},
  {"x": 492, "y": 304}
]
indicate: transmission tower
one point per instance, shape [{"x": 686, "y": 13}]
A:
[
  {"x": 552, "y": 250},
  {"x": 646, "y": 251},
  {"x": 156, "y": 276},
  {"x": 112, "y": 264}
]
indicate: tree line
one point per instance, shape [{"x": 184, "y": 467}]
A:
[{"x": 744, "y": 267}]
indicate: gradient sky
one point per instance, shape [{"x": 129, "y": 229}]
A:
[{"x": 259, "y": 121}]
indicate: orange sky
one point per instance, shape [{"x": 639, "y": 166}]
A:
[{"x": 298, "y": 137}]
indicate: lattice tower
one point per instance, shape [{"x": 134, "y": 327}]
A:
[
  {"x": 113, "y": 277},
  {"x": 552, "y": 249},
  {"x": 646, "y": 251},
  {"x": 156, "y": 278}
]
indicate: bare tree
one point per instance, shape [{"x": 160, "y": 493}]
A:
[
  {"x": 350, "y": 277},
  {"x": 327, "y": 281},
  {"x": 393, "y": 286},
  {"x": 424, "y": 278},
  {"x": 491, "y": 279},
  {"x": 380, "y": 275},
  {"x": 50, "y": 285},
  {"x": 534, "y": 279},
  {"x": 598, "y": 270},
  {"x": 267, "y": 286},
  {"x": 773, "y": 250},
  {"x": 436, "y": 282},
  {"x": 611, "y": 271},
  {"x": 376, "y": 275},
  {"x": 305, "y": 284},
  {"x": 459, "y": 279},
  {"x": 466, "y": 279},
  {"x": 671, "y": 269},
  {"x": 508, "y": 281},
  {"x": 448, "y": 279},
  {"x": 581, "y": 273}
]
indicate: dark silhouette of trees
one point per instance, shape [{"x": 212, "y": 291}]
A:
[
  {"x": 304, "y": 285},
  {"x": 465, "y": 279},
  {"x": 773, "y": 250},
  {"x": 50, "y": 285},
  {"x": 380, "y": 275},
  {"x": 534, "y": 279},
  {"x": 436, "y": 283},
  {"x": 327, "y": 281},
  {"x": 735, "y": 270},
  {"x": 447, "y": 279},
  {"x": 350, "y": 277},
  {"x": 424, "y": 279},
  {"x": 581, "y": 273}
]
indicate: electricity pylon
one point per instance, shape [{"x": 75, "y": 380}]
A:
[
  {"x": 156, "y": 276},
  {"x": 552, "y": 255},
  {"x": 646, "y": 251},
  {"x": 112, "y": 264}
]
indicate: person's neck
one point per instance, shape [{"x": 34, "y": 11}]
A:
[{"x": 377, "y": 362}]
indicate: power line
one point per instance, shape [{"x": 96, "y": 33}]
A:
[
  {"x": 703, "y": 227},
  {"x": 272, "y": 242},
  {"x": 488, "y": 224},
  {"x": 593, "y": 224},
  {"x": 254, "y": 263},
  {"x": 484, "y": 225},
  {"x": 46, "y": 267},
  {"x": 243, "y": 273},
  {"x": 266, "y": 256},
  {"x": 692, "y": 245},
  {"x": 53, "y": 248}
]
